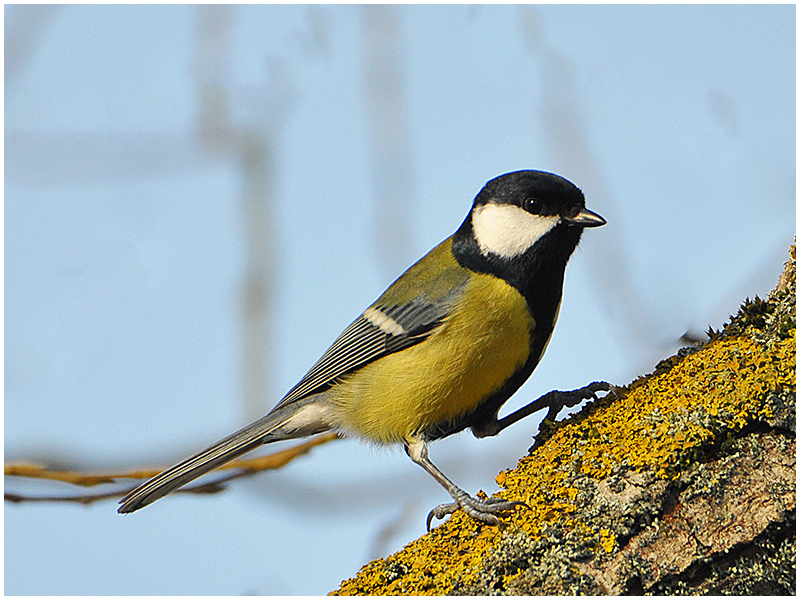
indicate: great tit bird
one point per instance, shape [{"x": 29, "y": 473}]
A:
[{"x": 443, "y": 347}]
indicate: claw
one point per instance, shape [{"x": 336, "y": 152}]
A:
[{"x": 482, "y": 510}]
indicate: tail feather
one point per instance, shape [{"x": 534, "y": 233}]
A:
[{"x": 228, "y": 448}]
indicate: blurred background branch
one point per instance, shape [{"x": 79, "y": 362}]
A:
[
  {"x": 198, "y": 199},
  {"x": 389, "y": 132},
  {"x": 245, "y": 467}
]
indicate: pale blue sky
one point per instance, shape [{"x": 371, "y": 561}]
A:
[{"x": 125, "y": 249}]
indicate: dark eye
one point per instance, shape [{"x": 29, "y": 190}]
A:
[{"x": 531, "y": 205}]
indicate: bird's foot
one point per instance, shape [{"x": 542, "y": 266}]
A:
[
  {"x": 556, "y": 400},
  {"x": 483, "y": 510}
]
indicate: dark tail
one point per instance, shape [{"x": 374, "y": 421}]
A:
[{"x": 236, "y": 444}]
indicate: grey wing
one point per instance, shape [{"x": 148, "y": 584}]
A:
[{"x": 378, "y": 331}]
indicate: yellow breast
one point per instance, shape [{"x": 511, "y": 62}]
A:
[{"x": 444, "y": 377}]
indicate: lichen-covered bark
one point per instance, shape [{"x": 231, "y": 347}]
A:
[{"x": 681, "y": 483}]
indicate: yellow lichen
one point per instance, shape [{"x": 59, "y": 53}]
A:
[
  {"x": 659, "y": 423},
  {"x": 608, "y": 540}
]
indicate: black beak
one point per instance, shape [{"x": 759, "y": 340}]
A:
[{"x": 586, "y": 218}]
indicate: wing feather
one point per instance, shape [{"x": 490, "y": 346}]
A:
[{"x": 365, "y": 341}]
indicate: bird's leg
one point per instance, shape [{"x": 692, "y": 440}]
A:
[
  {"x": 482, "y": 510},
  {"x": 554, "y": 401}
]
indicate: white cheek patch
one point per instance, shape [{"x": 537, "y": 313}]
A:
[{"x": 507, "y": 230}]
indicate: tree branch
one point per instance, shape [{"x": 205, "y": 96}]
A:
[{"x": 244, "y": 467}]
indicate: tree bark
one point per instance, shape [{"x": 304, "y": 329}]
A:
[{"x": 681, "y": 483}]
